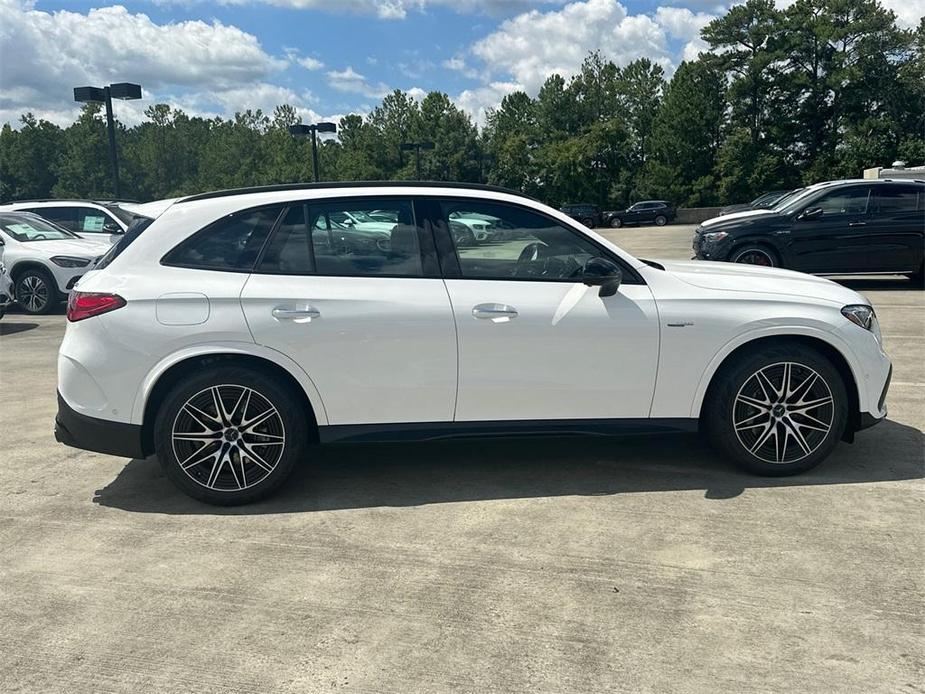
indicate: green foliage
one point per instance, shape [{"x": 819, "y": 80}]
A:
[{"x": 819, "y": 90}]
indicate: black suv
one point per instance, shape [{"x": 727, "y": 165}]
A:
[
  {"x": 658, "y": 212},
  {"x": 587, "y": 214},
  {"x": 838, "y": 227}
]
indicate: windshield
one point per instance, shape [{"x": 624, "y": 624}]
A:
[
  {"x": 792, "y": 200},
  {"x": 26, "y": 228}
]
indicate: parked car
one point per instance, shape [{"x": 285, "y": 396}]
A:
[
  {"x": 587, "y": 214},
  {"x": 658, "y": 212},
  {"x": 762, "y": 202},
  {"x": 837, "y": 227},
  {"x": 44, "y": 260},
  {"x": 242, "y": 339},
  {"x": 6, "y": 287},
  {"x": 89, "y": 219}
]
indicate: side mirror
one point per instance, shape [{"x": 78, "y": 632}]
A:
[
  {"x": 603, "y": 273},
  {"x": 112, "y": 228},
  {"x": 810, "y": 213}
]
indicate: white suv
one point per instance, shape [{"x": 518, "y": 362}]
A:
[
  {"x": 88, "y": 219},
  {"x": 242, "y": 326}
]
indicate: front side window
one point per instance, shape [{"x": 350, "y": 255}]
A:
[
  {"x": 93, "y": 221},
  {"x": 498, "y": 241},
  {"x": 348, "y": 238},
  {"x": 231, "y": 243},
  {"x": 844, "y": 201},
  {"x": 890, "y": 199},
  {"x": 62, "y": 216}
]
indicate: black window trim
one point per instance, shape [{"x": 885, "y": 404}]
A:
[{"x": 449, "y": 260}]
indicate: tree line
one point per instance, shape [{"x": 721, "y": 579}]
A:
[{"x": 819, "y": 90}]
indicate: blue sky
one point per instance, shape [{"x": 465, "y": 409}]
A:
[{"x": 326, "y": 57}]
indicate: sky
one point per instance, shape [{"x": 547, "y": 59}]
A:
[{"x": 327, "y": 58}]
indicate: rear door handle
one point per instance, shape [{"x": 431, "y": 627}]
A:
[
  {"x": 296, "y": 313},
  {"x": 497, "y": 313},
  {"x": 857, "y": 224}
]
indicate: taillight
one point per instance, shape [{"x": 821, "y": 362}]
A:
[{"x": 82, "y": 305}]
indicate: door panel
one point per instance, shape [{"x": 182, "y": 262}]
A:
[
  {"x": 837, "y": 239},
  {"x": 897, "y": 228},
  {"x": 378, "y": 349},
  {"x": 566, "y": 354}
]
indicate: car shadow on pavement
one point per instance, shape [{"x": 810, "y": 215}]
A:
[
  {"x": 10, "y": 328},
  {"x": 346, "y": 476},
  {"x": 871, "y": 284}
]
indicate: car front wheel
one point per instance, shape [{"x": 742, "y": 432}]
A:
[
  {"x": 229, "y": 435},
  {"x": 755, "y": 255},
  {"x": 35, "y": 292},
  {"x": 661, "y": 220},
  {"x": 616, "y": 223},
  {"x": 778, "y": 411}
]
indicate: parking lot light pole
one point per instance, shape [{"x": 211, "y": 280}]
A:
[
  {"x": 121, "y": 90},
  {"x": 301, "y": 129},
  {"x": 417, "y": 147}
]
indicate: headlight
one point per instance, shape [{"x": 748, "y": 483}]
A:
[
  {"x": 714, "y": 236},
  {"x": 68, "y": 261},
  {"x": 859, "y": 314}
]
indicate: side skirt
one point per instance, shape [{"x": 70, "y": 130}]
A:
[{"x": 435, "y": 431}]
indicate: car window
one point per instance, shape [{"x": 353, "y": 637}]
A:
[
  {"x": 363, "y": 237},
  {"x": 843, "y": 201},
  {"x": 890, "y": 199},
  {"x": 232, "y": 243},
  {"x": 521, "y": 244},
  {"x": 63, "y": 216},
  {"x": 25, "y": 228},
  {"x": 93, "y": 221},
  {"x": 289, "y": 252}
]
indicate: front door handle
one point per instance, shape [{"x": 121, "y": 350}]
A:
[
  {"x": 296, "y": 313},
  {"x": 496, "y": 313},
  {"x": 857, "y": 224}
]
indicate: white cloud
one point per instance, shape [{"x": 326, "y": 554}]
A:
[
  {"x": 351, "y": 81},
  {"x": 476, "y": 102},
  {"x": 310, "y": 63},
  {"x": 681, "y": 23},
  {"x": 416, "y": 93},
  {"x": 46, "y": 54},
  {"x": 458, "y": 64},
  {"x": 386, "y": 9}
]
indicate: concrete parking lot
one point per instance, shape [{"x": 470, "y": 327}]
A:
[{"x": 563, "y": 565}]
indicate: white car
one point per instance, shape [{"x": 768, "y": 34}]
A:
[
  {"x": 44, "y": 260},
  {"x": 88, "y": 219},
  {"x": 232, "y": 333},
  {"x": 6, "y": 287}
]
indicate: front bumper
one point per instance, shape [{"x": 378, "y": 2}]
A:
[{"x": 98, "y": 435}]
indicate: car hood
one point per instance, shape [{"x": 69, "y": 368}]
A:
[
  {"x": 734, "y": 217},
  {"x": 76, "y": 247},
  {"x": 733, "y": 277}
]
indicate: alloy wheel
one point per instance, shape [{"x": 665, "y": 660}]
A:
[
  {"x": 33, "y": 293},
  {"x": 755, "y": 257},
  {"x": 228, "y": 437},
  {"x": 783, "y": 412}
]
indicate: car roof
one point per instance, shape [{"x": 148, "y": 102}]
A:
[
  {"x": 50, "y": 202},
  {"x": 360, "y": 185}
]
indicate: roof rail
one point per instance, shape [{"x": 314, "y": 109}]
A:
[
  {"x": 350, "y": 184},
  {"x": 65, "y": 200}
]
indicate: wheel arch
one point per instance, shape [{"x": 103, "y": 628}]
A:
[
  {"x": 22, "y": 266},
  {"x": 827, "y": 347},
  {"x": 173, "y": 369}
]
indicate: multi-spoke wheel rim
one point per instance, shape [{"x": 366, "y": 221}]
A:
[
  {"x": 783, "y": 412},
  {"x": 755, "y": 257},
  {"x": 33, "y": 293},
  {"x": 228, "y": 438}
]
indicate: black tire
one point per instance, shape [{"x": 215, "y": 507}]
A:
[
  {"x": 588, "y": 222},
  {"x": 36, "y": 291},
  {"x": 724, "y": 412},
  {"x": 754, "y": 254},
  {"x": 231, "y": 382},
  {"x": 616, "y": 223},
  {"x": 661, "y": 220}
]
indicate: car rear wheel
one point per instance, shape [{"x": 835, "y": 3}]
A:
[
  {"x": 755, "y": 255},
  {"x": 616, "y": 223},
  {"x": 588, "y": 222},
  {"x": 35, "y": 292},
  {"x": 230, "y": 435},
  {"x": 661, "y": 220},
  {"x": 777, "y": 411}
]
